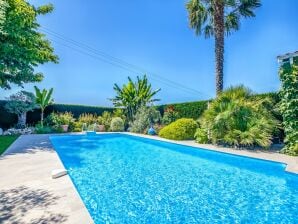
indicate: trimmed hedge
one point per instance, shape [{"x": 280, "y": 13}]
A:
[
  {"x": 187, "y": 110},
  {"x": 7, "y": 120}
]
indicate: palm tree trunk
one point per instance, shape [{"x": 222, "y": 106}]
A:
[
  {"x": 219, "y": 43},
  {"x": 41, "y": 117}
]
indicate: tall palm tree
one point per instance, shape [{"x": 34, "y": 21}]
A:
[
  {"x": 215, "y": 18},
  {"x": 43, "y": 99},
  {"x": 133, "y": 95}
]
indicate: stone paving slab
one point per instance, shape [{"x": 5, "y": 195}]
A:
[{"x": 28, "y": 194}]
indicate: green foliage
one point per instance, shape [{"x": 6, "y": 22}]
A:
[
  {"x": 41, "y": 129},
  {"x": 237, "y": 118},
  {"x": 144, "y": 118},
  {"x": 22, "y": 46},
  {"x": 105, "y": 119},
  {"x": 87, "y": 119},
  {"x": 170, "y": 115},
  {"x": 21, "y": 102},
  {"x": 187, "y": 110},
  {"x": 201, "y": 15},
  {"x": 289, "y": 106},
  {"x": 43, "y": 98},
  {"x": 181, "y": 129},
  {"x": 133, "y": 95},
  {"x": 55, "y": 120},
  {"x": 201, "y": 136},
  {"x": 77, "y": 110},
  {"x": 3, "y": 7},
  {"x": 6, "y": 141},
  {"x": 117, "y": 124}
]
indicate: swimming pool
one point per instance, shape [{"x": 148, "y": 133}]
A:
[{"x": 128, "y": 179}]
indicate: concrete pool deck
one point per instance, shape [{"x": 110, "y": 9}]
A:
[{"x": 28, "y": 194}]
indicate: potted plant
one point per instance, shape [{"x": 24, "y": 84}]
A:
[{"x": 65, "y": 120}]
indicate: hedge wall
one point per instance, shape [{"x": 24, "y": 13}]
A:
[
  {"x": 187, "y": 110},
  {"x": 8, "y": 120}
]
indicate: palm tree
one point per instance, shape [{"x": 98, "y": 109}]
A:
[
  {"x": 43, "y": 99},
  {"x": 215, "y": 18},
  {"x": 133, "y": 95}
]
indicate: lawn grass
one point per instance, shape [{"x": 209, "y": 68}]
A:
[{"x": 6, "y": 141}]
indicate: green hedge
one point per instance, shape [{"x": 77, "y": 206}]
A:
[
  {"x": 7, "y": 120},
  {"x": 187, "y": 110}
]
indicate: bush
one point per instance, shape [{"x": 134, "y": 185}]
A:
[
  {"x": 237, "y": 118},
  {"x": 182, "y": 129},
  {"x": 170, "y": 115},
  {"x": 39, "y": 129},
  {"x": 55, "y": 120},
  {"x": 87, "y": 119},
  {"x": 144, "y": 118},
  {"x": 117, "y": 124},
  {"x": 105, "y": 120}
]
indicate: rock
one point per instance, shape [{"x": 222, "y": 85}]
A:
[{"x": 1, "y": 131}]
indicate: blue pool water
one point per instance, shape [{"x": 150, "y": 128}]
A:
[{"x": 126, "y": 179}]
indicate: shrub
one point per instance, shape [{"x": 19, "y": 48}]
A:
[
  {"x": 182, "y": 129},
  {"x": 144, "y": 118},
  {"x": 236, "y": 118},
  {"x": 55, "y": 120},
  {"x": 117, "y": 124},
  {"x": 170, "y": 115},
  {"x": 87, "y": 119},
  {"x": 41, "y": 129},
  {"x": 288, "y": 106},
  {"x": 105, "y": 120}
]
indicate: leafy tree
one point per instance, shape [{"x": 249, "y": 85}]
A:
[
  {"x": 238, "y": 119},
  {"x": 19, "y": 104},
  {"x": 133, "y": 95},
  {"x": 215, "y": 18},
  {"x": 43, "y": 99},
  {"x": 145, "y": 118},
  {"x": 22, "y": 46},
  {"x": 288, "y": 106}
]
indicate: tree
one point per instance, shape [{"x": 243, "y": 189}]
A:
[
  {"x": 43, "y": 99},
  {"x": 22, "y": 46},
  {"x": 215, "y": 18},
  {"x": 133, "y": 95},
  {"x": 19, "y": 104}
]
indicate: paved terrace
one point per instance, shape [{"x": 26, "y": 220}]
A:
[{"x": 28, "y": 194}]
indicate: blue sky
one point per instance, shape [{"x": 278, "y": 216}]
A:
[{"x": 155, "y": 35}]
